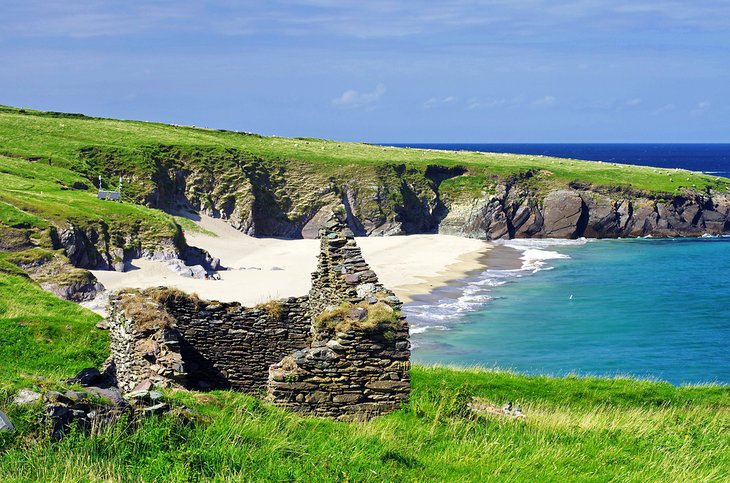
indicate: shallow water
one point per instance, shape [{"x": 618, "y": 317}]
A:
[{"x": 656, "y": 308}]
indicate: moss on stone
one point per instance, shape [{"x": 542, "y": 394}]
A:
[
  {"x": 380, "y": 316},
  {"x": 146, "y": 313}
]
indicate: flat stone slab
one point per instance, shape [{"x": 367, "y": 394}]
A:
[
  {"x": 26, "y": 397},
  {"x": 5, "y": 424}
]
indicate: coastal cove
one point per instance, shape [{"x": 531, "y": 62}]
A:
[
  {"x": 309, "y": 241},
  {"x": 646, "y": 308}
]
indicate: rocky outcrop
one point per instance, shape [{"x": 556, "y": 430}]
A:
[
  {"x": 97, "y": 246},
  {"x": 54, "y": 273},
  {"x": 572, "y": 213},
  {"x": 290, "y": 198},
  {"x": 274, "y": 198}
]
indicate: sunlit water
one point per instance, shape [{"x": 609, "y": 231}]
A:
[{"x": 656, "y": 308}]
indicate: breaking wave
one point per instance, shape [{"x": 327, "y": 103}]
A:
[{"x": 448, "y": 305}]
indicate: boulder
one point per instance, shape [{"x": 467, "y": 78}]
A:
[
  {"x": 193, "y": 271},
  {"x": 87, "y": 377},
  {"x": 5, "y": 424},
  {"x": 112, "y": 394},
  {"x": 25, "y": 397}
]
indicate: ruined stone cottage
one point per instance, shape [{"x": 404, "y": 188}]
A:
[{"x": 342, "y": 351}]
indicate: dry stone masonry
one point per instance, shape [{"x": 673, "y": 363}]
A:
[
  {"x": 202, "y": 345},
  {"x": 342, "y": 351},
  {"x": 357, "y": 364}
]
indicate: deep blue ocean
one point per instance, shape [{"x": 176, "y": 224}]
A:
[
  {"x": 708, "y": 158},
  {"x": 649, "y": 308}
]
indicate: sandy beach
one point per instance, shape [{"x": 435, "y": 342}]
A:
[{"x": 260, "y": 269}]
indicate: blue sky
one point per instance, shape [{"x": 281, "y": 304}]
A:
[{"x": 382, "y": 71}]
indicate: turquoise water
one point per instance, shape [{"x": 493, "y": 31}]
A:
[{"x": 655, "y": 308}]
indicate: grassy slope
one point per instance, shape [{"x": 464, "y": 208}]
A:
[
  {"x": 44, "y": 137},
  {"x": 577, "y": 428},
  {"x": 587, "y": 429},
  {"x": 42, "y": 335},
  {"x": 33, "y": 195}
]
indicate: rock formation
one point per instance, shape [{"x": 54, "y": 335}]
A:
[
  {"x": 572, "y": 213},
  {"x": 291, "y": 198}
]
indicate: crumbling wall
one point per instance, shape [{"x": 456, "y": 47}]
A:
[
  {"x": 342, "y": 351},
  {"x": 202, "y": 344},
  {"x": 226, "y": 345},
  {"x": 143, "y": 347},
  {"x": 357, "y": 365}
]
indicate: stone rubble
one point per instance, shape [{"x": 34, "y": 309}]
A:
[{"x": 93, "y": 407}]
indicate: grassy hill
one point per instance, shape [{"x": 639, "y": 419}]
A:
[
  {"x": 576, "y": 428},
  {"x": 62, "y": 139},
  {"x": 271, "y": 186}
]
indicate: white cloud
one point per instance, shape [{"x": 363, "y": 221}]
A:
[
  {"x": 352, "y": 98},
  {"x": 439, "y": 101},
  {"x": 633, "y": 102},
  {"x": 546, "y": 101},
  {"x": 664, "y": 109},
  {"x": 475, "y": 104},
  {"x": 700, "y": 107}
]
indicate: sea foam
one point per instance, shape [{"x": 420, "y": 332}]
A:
[{"x": 449, "y": 305}]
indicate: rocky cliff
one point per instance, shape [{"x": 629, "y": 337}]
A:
[
  {"x": 288, "y": 198},
  {"x": 581, "y": 211}
]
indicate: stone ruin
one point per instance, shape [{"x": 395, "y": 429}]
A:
[{"x": 343, "y": 351}]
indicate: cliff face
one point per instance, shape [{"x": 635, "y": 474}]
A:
[
  {"x": 589, "y": 212},
  {"x": 289, "y": 198},
  {"x": 398, "y": 206}
]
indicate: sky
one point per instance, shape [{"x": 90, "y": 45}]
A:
[{"x": 381, "y": 71}]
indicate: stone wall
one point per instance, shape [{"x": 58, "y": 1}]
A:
[
  {"x": 203, "y": 345},
  {"x": 357, "y": 365},
  {"x": 228, "y": 345},
  {"x": 342, "y": 351},
  {"x": 143, "y": 351}
]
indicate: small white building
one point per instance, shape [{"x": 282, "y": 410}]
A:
[{"x": 109, "y": 195}]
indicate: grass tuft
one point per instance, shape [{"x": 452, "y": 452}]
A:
[
  {"x": 380, "y": 316},
  {"x": 147, "y": 314},
  {"x": 273, "y": 309}
]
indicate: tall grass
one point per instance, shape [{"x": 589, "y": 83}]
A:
[{"x": 435, "y": 438}]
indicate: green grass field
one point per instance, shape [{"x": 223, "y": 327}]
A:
[
  {"x": 36, "y": 196},
  {"x": 576, "y": 429},
  {"x": 61, "y": 139},
  {"x": 584, "y": 429}
]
